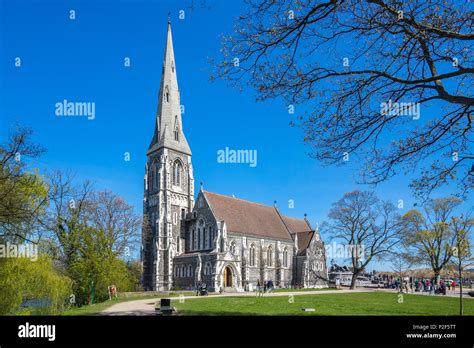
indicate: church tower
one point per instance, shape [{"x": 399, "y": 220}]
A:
[{"x": 169, "y": 183}]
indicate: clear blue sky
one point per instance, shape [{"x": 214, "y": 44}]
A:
[{"x": 82, "y": 60}]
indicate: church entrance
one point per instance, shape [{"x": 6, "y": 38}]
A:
[{"x": 227, "y": 277}]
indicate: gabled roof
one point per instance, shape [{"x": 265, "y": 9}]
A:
[
  {"x": 247, "y": 217},
  {"x": 301, "y": 229},
  {"x": 304, "y": 239},
  {"x": 296, "y": 225}
]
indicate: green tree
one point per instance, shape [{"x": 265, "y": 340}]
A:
[
  {"x": 23, "y": 280},
  {"x": 135, "y": 274},
  {"x": 97, "y": 265},
  {"x": 428, "y": 236},
  {"x": 462, "y": 254},
  {"x": 23, "y": 193}
]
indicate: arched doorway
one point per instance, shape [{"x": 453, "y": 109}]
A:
[{"x": 227, "y": 277}]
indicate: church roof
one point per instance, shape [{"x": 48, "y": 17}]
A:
[
  {"x": 301, "y": 229},
  {"x": 250, "y": 218},
  {"x": 304, "y": 239},
  {"x": 296, "y": 225}
]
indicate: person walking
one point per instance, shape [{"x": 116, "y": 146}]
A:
[
  {"x": 454, "y": 285},
  {"x": 198, "y": 287},
  {"x": 259, "y": 288}
]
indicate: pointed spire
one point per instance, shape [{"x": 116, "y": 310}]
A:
[{"x": 169, "y": 127}]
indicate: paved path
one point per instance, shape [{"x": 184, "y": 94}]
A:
[{"x": 147, "y": 306}]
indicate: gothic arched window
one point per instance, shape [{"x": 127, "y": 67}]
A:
[
  {"x": 190, "y": 271},
  {"x": 207, "y": 269},
  {"x": 199, "y": 239},
  {"x": 167, "y": 94},
  {"x": 285, "y": 257},
  {"x": 193, "y": 239},
  {"x": 157, "y": 177},
  {"x": 270, "y": 256},
  {"x": 176, "y": 128},
  {"x": 176, "y": 134},
  {"x": 211, "y": 237},
  {"x": 252, "y": 255},
  {"x": 177, "y": 170}
]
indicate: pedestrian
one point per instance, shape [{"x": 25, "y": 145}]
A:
[
  {"x": 454, "y": 285},
  {"x": 257, "y": 288},
  {"x": 198, "y": 288}
]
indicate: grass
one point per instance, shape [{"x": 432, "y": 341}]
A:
[
  {"x": 366, "y": 304},
  {"x": 94, "y": 309},
  {"x": 303, "y": 289}
]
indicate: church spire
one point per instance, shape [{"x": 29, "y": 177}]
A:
[{"x": 169, "y": 128}]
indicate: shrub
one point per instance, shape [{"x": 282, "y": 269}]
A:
[{"x": 32, "y": 287}]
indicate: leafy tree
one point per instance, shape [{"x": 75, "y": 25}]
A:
[
  {"x": 135, "y": 275},
  {"x": 343, "y": 59},
  {"x": 370, "y": 228},
  {"x": 428, "y": 236},
  {"x": 462, "y": 253},
  {"x": 23, "y": 280},
  {"x": 98, "y": 266},
  {"x": 23, "y": 194}
]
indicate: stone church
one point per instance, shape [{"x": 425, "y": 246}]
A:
[{"x": 226, "y": 242}]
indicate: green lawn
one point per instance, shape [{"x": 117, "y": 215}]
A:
[
  {"x": 96, "y": 308},
  {"x": 375, "y": 303},
  {"x": 303, "y": 289}
]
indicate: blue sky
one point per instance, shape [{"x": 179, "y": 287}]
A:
[{"x": 82, "y": 60}]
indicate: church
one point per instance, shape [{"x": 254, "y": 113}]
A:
[{"x": 226, "y": 242}]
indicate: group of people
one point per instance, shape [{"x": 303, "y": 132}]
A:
[
  {"x": 266, "y": 287},
  {"x": 427, "y": 285},
  {"x": 201, "y": 289}
]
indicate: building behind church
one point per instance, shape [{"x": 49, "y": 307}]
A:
[{"x": 226, "y": 242}]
